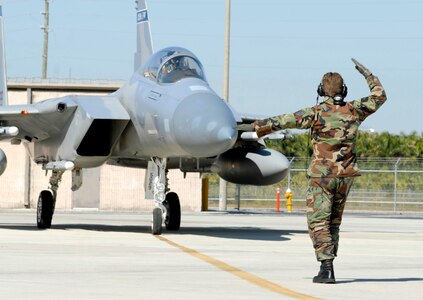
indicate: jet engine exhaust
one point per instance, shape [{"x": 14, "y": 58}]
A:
[
  {"x": 3, "y": 162},
  {"x": 252, "y": 166}
]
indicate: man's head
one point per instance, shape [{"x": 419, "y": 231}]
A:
[{"x": 332, "y": 85}]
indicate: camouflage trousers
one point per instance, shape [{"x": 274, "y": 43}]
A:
[{"x": 326, "y": 199}]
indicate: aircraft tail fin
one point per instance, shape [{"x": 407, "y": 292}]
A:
[
  {"x": 3, "y": 77},
  {"x": 144, "y": 41}
]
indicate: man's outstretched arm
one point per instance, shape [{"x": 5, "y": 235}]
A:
[{"x": 368, "y": 105}]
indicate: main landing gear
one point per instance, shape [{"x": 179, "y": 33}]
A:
[
  {"x": 168, "y": 207},
  {"x": 45, "y": 209},
  {"x": 47, "y": 201},
  {"x": 167, "y": 210}
]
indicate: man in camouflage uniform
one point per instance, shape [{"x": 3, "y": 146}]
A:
[{"x": 334, "y": 127}]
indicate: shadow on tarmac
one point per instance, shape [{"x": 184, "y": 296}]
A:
[
  {"x": 378, "y": 280},
  {"x": 242, "y": 233}
]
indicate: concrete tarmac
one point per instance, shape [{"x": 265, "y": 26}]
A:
[{"x": 93, "y": 255}]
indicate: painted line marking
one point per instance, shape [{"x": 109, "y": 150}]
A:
[{"x": 251, "y": 278}]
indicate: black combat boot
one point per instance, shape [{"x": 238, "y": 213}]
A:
[{"x": 326, "y": 274}]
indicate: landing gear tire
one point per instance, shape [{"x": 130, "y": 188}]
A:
[
  {"x": 156, "y": 226},
  {"x": 45, "y": 209},
  {"x": 173, "y": 218}
]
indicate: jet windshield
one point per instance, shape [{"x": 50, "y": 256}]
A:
[{"x": 173, "y": 64}]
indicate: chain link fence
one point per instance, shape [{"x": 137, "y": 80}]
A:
[{"x": 390, "y": 185}]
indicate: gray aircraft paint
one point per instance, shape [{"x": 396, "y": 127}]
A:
[
  {"x": 167, "y": 116},
  {"x": 144, "y": 119}
]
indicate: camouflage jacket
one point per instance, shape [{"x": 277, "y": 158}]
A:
[{"x": 334, "y": 130}]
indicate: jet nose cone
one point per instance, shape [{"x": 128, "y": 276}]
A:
[{"x": 204, "y": 125}]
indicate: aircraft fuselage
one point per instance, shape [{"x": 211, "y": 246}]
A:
[
  {"x": 173, "y": 110},
  {"x": 169, "y": 120}
]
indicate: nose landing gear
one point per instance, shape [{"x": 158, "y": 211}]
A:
[
  {"x": 169, "y": 211},
  {"x": 173, "y": 216},
  {"x": 168, "y": 207}
]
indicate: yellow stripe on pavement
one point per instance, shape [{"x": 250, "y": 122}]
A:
[{"x": 263, "y": 283}]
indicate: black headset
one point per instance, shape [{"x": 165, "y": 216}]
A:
[{"x": 337, "y": 99}]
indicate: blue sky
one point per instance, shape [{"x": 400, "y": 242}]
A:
[{"x": 279, "y": 49}]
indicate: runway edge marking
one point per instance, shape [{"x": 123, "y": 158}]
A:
[{"x": 251, "y": 278}]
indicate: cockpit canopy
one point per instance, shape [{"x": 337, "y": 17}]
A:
[{"x": 171, "y": 65}]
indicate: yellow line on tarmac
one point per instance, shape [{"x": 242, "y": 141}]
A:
[{"x": 263, "y": 283}]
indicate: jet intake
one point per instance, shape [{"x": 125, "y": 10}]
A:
[
  {"x": 3, "y": 162},
  {"x": 254, "y": 166},
  {"x": 96, "y": 126}
]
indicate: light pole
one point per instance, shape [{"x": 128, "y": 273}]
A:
[
  {"x": 45, "y": 28},
  {"x": 222, "y": 183},
  {"x": 3, "y": 76}
]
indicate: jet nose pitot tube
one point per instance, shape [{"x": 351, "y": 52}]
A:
[{"x": 204, "y": 125}]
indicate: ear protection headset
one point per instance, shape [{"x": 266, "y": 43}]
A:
[
  {"x": 320, "y": 90},
  {"x": 338, "y": 99}
]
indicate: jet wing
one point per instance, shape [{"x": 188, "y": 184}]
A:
[{"x": 35, "y": 122}]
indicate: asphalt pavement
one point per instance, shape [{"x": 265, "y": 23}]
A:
[{"x": 97, "y": 255}]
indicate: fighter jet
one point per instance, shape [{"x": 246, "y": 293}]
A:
[{"x": 165, "y": 117}]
